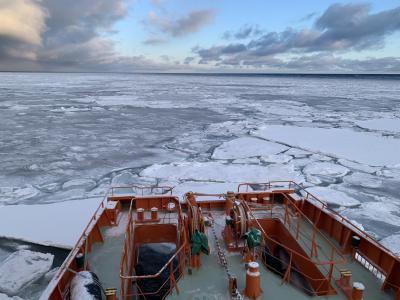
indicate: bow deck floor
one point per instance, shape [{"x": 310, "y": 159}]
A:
[
  {"x": 210, "y": 280},
  {"x": 304, "y": 248}
]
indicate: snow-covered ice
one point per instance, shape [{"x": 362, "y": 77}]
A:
[
  {"x": 12, "y": 195},
  {"x": 389, "y": 172},
  {"x": 301, "y": 162},
  {"x": 363, "y": 147},
  {"x": 325, "y": 169},
  {"x": 247, "y": 147},
  {"x": 85, "y": 184},
  {"x": 357, "y": 166},
  {"x": 297, "y": 153},
  {"x": 320, "y": 157},
  {"x": 6, "y": 297},
  {"x": 364, "y": 180},
  {"x": 216, "y": 171},
  {"x": 250, "y": 160},
  {"x": 276, "y": 158},
  {"x": 36, "y": 223},
  {"x": 332, "y": 196},
  {"x": 80, "y": 286},
  {"x": 22, "y": 268},
  {"x": 377, "y": 211},
  {"x": 392, "y": 242},
  {"x": 384, "y": 124}
]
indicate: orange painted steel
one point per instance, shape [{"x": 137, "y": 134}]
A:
[
  {"x": 59, "y": 285},
  {"x": 331, "y": 223},
  {"x": 140, "y": 234},
  {"x": 341, "y": 230},
  {"x": 253, "y": 281},
  {"x": 91, "y": 234},
  {"x": 141, "y": 191},
  {"x": 307, "y": 266}
]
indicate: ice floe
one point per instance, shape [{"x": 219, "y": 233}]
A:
[
  {"x": 85, "y": 184},
  {"x": 250, "y": 160},
  {"x": 57, "y": 224},
  {"x": 285, "y": 108},
  {"x": 300, "y": 162},
  {"x": 325, "y": 169},
  {"x": 357, "y": 224},
  {"x": 124, "y": 178},
  {"x": 246, "y": 147},
  {"x": 364, "y": 147},
  {"x": 229, "y": 128},
  {"x": 297, "y": 153},
  {"x": 216, "y": 171},
  {"x": 334, "y": 197},
  {"x": 390, "y": 173},
  {"x": 381, "y": 211},
  {"x": 6, "y": 297},
  {"x": 12, "y": 195},
  {"x": 320, "y": 157},
  {"x": 276, "y": 158},
  {"x": 118, "y": 100},
  {"x": 364, "y": 180},
  {"x": 84, "y": 286},
  {"x": 71, "y": 109},
  {"x": 22, "y": 268},
  {"x": 358, "y": 166},
  {"x": 392, "y": 242},
  {"x": 384, "y": 124}
]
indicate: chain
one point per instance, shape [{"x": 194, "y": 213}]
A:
[{"x": 222, "y": 260}]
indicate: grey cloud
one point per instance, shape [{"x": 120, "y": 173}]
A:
[
  {"x": 69, "y": 36},
  {"x": 347, "y": 26},
  {"x": 21, "y": 27},
  {"x": 331, "y": 63},
  {"x": 155, "y": 41},
  {"x": 244, "y": 32},
  {"x": 185, "y": 25},
  {"x": 339, "y": 28},
  {"x": 188, "y": 60},
  {"x": 76, "y": 32},
  {"x": 308, "y": 17}
]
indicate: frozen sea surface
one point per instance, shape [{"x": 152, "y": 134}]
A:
[{"x": 65, "y": 138}]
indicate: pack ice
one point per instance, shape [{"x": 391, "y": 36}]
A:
[
  {"x": 247, "y": 147},
  {"x": 384, "y": 124},
  {"x": 22, "y": 268},
  {"x": 5, "y": 297},
  {"x": 332, "y": 196},
  {"x": 363, "y": 147},
  {"x": 217, "y": 171},
  {"x": 70, "y": 218}
]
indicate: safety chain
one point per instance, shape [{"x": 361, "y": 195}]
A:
[{"x": 222, "y": 260}]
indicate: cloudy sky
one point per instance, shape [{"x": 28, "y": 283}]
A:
[{"x": 200, "y": 36}]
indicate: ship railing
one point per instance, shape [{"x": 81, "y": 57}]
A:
[
  {"x": 266, "y": 186},
  {"x": 127, "y": 263},
  {"x": 326, "y": 267},
  {"x": 374, "y": 264},
  {"x": 295, "y": 221},
  {"x": 141, "y": 190},
  {"x": 307, "y": 196},
  {"x": 369, "y": 265},
  {"x": 81, "y": 245},
  {"x": 58, "y": 281},
  {"x": 292, "y": 270}
]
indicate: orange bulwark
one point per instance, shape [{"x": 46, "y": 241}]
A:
[{"x": 304, "y": 243}]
